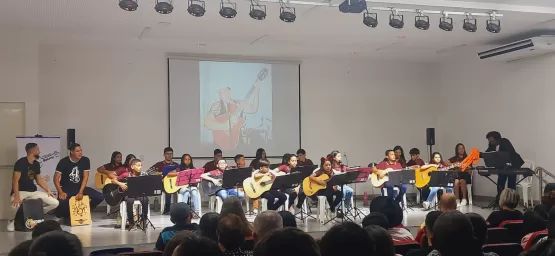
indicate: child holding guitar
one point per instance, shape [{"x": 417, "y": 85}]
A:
[
  {"x": 390, "y": 164},
  {"x": 135, "y": 165},
  {"x": 271, "y": 195},
  {"x": 435, "y": 162},
  {"x": 216, "y": 176}
]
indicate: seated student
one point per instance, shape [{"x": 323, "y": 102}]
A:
[
  {"x": 215, "y": 177},
  {"x": 180, "y": 216},
  {"x": 289, "y": 162},
  {"x": 508, "y": 201},
  {"x": 415, "y": 160},
  {"x": 135, "y": 166},
  {"x": 159, "y": 168},
  {"x": 213, "y": 165},
  {"x": 531, "y": 222},
  {"x": 302, "y": 160},
  {"x": 462, "y": 178},
  {"x": 338, "y": 167},
  {"x": 437, "y": 162},
  {"x": 394, "y": 214},
  {"x": 240, "y": 161},
  {"x": 110, "y": 168},
  {"x": 186, "y": 164},
  {"x": 260, "y": 154},
  {"x": 381, "y": 169},
  {"x": 272, "y": 195}
]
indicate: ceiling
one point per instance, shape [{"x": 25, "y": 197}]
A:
[{"x": 318, "y": 31}]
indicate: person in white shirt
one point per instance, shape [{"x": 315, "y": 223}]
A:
[{"x": 272, "y": 195}]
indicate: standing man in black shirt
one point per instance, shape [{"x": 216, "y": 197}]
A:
[
  {"x": 72, "y": 175},
  {"x": 27, "y": 170},
  {"x": 497, "y": 143}
]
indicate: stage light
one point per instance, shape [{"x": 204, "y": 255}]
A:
[
  {"x": 257, "y": 11},
  {"x": 396, "y": 20},
  {"x": 286, "y": 13},
  {"x": 128, "y": 5},
  {"x": 493, "y": 25},
  {"x": 228, "y": 9},
  {"x": 469, "y": 24},
  {"x": 163, "y": 7},
  {"x": 196, "y": 8},
  {"x": 421, "y": 21},
  {"x": 446, "y": 23},
  {"x": 370, "y": 19}
]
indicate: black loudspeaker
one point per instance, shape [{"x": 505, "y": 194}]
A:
[
  {"x": 430, "y": 136},
  {"x": 70, "y": 137}
]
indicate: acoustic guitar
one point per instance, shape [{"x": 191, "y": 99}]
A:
[
  {"x": 377, "y": 182},
  {"x": 170, "y": 186},
  {"x": 113, "y": 194},
  {"x": 254, "y": 188},
  {"x": 423, "y": 176},
  {"x": 100, "y": 180},
  {"x": 209, "y": 188},
  {"x": 310, "y": 188}
]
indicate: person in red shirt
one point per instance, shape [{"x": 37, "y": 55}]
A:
[
  {"x": 110, "y": 168},
  {"x": 462, "y": 178},
  {"x": 303, "y": 161},
  {"x": 159, "y": 167},
  {"x": 329, "y": 192},
  {"x": 289, "y": 162},
  {"x": 339, "y": 167},
  {"x": 400, "y": 156},
  {"x": 415, "y": 160},
  {"x": 213, "y": 165},
  {"x": 260, "y": 155},
  {"x": 215, "y": 177},
  {"x": 381, "y": 169}
]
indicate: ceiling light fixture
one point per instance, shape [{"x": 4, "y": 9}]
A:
[
  {"x": 286, "y": 13},
  {"x": 128, "y": 5},
  {"x": 493, "y": 25},
  {"x": 370, "y": 19},
  {"x": 163, "y": 6},
  {"x": 470, "y": 24},
  {"x": 446, "y": 23},
  {"x": 228, "y": 9},
  {"x": 421, "y": 21},
  {"x": 196, "y": 8},
  {"x": 396, "y": 20},
  {"x": 257, "y": 11}
]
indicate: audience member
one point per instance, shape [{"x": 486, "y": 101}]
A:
[
  {"x": 508, "y": 201},
  {"x": 381, "y": 239},
  {"x": 197, "y": 246},
  {"x": 480, "y": 228},
  {"x": 21, "y": 249},
  {"x": 346, "y": 235},
  {"x": 447, "y": 202},
  {"x": 394, "y": 214},
  {"x": 375, "y": 218},
  {"x": 56, "y": 243},
  {"x": 288, "y": 219},
  {"x": 230, "y": 236},
  {"x": 429, "y": 222},
  {"x": 181, "y": 216},
  {"x": 44, "y": 227},
  {"x": 265, "y": 222},
  {"x": 208, "y": 226},
  {"x": 531, "y": 222},
  {"x": 175, "y": 241},
  {"x": 287, "y": 241},
  {"x": 542, "y": 248},
  {"x": 232, "y": 205},
  {"x": 453, "y": 235},
  {"x": 542, "y": 211}
]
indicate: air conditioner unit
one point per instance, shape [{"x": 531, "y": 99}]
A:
[{"x": 519, "y": 50}]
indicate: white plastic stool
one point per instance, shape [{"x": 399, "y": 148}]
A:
[
  {"x": 123, "y": 212},
  {"x": 215, "y": 203},
  {"x": 404, "y": 206},
  {"x": 163, "y": 199}
]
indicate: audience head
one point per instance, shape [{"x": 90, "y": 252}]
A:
[
  {"x": 542, "y": 211},
  {"x": 388, "y": 207},
  {"x": 56, "y": 243},
  {"x": 218, "y": 153},
  {"x": 532, "y": 222},
  {"x": 447, "y": 202},
  {"x": 479, "y": 226},
  {"x": 208, "y": 225},
  {"x": 509, "y": 199},
  {"x": 451, "y": 230},
  {"x": 232, "y": 205},
  {"x": 260, "y": 154},
  {"x": 286, "y": 241},
  {"x": 180, "y": 213},
  {"x": 346, "y": 235},
  {"x": 230, "y": 236},
  {"x": 197, "y": 246},
  {"x": 375, "y": 218},
  {"x": 288, "y": 219},
  {"x": 382, "y": 240},
  {"x": 175, "y": 241},
  {"x": 21, "y": 249},
  {"x": 45, "y": 227},
  {"x": 265, "y": 222},
  {"x": 431, "y": 218},
  {"x": 545, "y": 248}
]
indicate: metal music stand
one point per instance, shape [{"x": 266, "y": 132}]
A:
[
  {"x": 363, "y": 177},
  {"x": 341, "y": 180},
  {"x": 190, "y": 177},
  {"x": 408, "y": 177},
  {"x": 296, "y": 177},
  {"x": 305, "y": 170},
  {"x": 143, "y": 187},
  {"x": 233, "y": 178},
  {"x": 442, "y": 179}
]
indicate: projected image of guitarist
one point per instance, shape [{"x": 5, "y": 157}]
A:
[{"x": 226, "y": 117}]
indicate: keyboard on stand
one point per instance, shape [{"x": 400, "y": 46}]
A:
[{"x": 486, "y": 171}]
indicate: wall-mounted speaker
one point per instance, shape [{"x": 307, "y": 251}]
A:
[
  {"x": 430, "y": 136},
  {"x": 70, "y": 137}
]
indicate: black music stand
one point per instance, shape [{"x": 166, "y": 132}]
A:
[
  {"x": 341, "y": 180},
  {"x": 273, "y": 166},
  {"x": 305, "y": 170},
  {"x": 363, "y": 177},
  {"x": 143, "y": 187},
  {"x": 190, "y": 177},
  {"x": 442, "y": 179},
  {"x": 295, "y": 179},
  {"x": 233, "y": 178},
  {"x": 408, "y": 177}
]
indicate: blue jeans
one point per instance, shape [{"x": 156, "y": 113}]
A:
[
  {"x": 391, "y": 193},
  {"x": 347, "y": 194},
  {"x": 433, "y": 193},
  {"x": 224, "y": 193},
  {"x": 194, "y": 196}
]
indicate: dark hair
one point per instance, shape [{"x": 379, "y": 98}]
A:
[
  {"x": 45, "y": 227},
  {"x": 545, "y": 248},
  {"x": 346, "y": 235},
  {"x": 551, "y": 224},
  {"x": 457, "y": 150},
  {"x": 168, "y": 149},
  {"x": 198, "y": 246},
  {"x": 237, "y": 157},
  {"x": 263, "y": 163},
  {"x": 128, "y": 158},
  {"x": 532, "y": 222},
  {"x": 542, "y": 211},
  {"x": 73, "y": 146},
  {"x": 432, "y": 158},
  {"x": 431, "y": 218},
  {"x": 388, "y": 151},
  {"x": 175, "y": 241},
  {"x": 301, "y": 152},
  {"x": 208, "y": 225},
  {"x": 21, "y": 249},
  {"x": 232, "y": 206},
  {"x": 324, "y": 160},
  {"x": 375, "y": 218},
  {"x": 182, "y": 166},
  {"x": 333, "y": 154},
  {"x": 30, "y": 146},
  {"x": 259, "y": 153},
  {"x": 56, "y": 243},
  {"x": 388, "y": 207},
  {"x": 298, "y": 243},
  {"x": 493, "y": 134},
  {"x": 229, "y": 232},
  {"x": 285, "y": 158},
  {"x": 480, "y": 227},
  {"x": 288, "y": 219},
  {"x": 134, "y": 162},
  {"x": 450, "y": 231},
  {"x": 217, "y": 151},
  {"x": 402, "y": 158},
  {"x": 414, "y": 151},
  {"x": 113, "y": 157},
  {"x": 289, "y": 158},
  {"x": 382, "y": 240}
]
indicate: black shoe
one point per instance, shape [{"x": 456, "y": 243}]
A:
[
  {"x": 339, "y": 214},
  {"x": 166, "y": 213}
]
